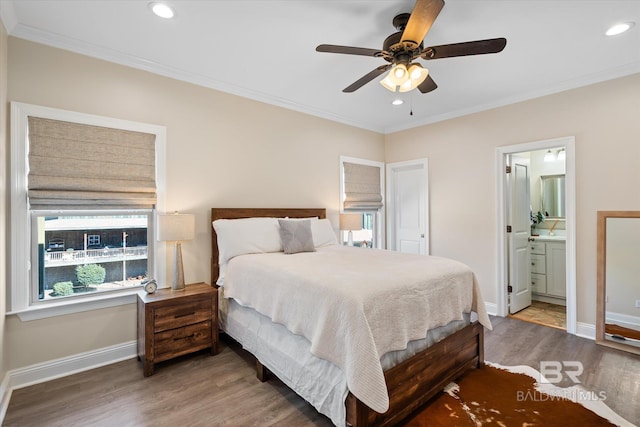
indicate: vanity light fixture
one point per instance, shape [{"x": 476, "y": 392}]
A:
[
  {"x": 619, "y": 28},
  {"x": 549, "y": 156},
  {"x": 163, "y": 10},
  {"x": 562, "y": 155}
]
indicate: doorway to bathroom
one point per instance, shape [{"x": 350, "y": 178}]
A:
[{"x": 536, "y": 243}]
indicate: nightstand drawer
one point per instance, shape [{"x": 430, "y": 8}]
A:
[
  {"x": 175, "y": 342},
  {"x": 183, "y": 314}
]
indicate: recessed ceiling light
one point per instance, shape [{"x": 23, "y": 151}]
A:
[
  {"x": 397, "y": 102},
  {"x": 163, "y": 10},
  {"x": 619, "y": 28}
]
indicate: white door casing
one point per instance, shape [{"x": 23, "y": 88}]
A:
[
  {"x": 518, "y": 238},
  {"x": 408, "y": 206},
  {"x": 570, "y": 215}
]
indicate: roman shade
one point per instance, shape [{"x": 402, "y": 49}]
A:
[
  {"x": 73, "y": 165},
  {"x": 361, "y": 187}
]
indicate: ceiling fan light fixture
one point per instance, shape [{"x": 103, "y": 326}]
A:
[
  {"x": 402, "y": 79},
  {"x": 417, "y": 75},
  {"x": 399, "y": 74},
  {"x": 397, "y": 102},
  {"x": 388, "y": 83}
]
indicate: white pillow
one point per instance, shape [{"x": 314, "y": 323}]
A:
[
  {"x": 245, "y": 236},
  {"x": 323, "y": 234}
]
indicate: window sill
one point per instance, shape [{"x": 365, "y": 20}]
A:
[{"x": 61, "y": 308}]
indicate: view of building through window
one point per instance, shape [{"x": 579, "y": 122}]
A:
[{"x": 93, "y": 253}]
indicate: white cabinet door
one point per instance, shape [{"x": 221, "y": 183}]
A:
[{"x": 556, "y": 269}]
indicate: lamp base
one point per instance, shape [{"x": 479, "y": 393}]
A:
[{"x": 178, "y": 271}]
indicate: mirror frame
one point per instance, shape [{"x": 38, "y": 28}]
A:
[
  {"x": 542, "y": 191},
  {"x": 602, "y": 274}
]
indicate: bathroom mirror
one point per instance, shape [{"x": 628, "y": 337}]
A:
[
  {"x": 552, "y": 195},
  {"x": 618, "y": 300}
]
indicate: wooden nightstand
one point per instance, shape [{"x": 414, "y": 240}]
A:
[{"x": 173, "y": 323}]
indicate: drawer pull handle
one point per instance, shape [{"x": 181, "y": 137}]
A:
[
  {"x": 185, "y": 338},
  {"x": 533, "y": 263},
  {"x": 177, "y": 316}
]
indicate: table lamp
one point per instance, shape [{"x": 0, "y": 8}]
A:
[
  {"x": 176, "y": 228},
  {"x": 350, "y": 222}
]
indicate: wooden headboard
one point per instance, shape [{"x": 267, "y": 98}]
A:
[{"x": 237, "y": 213}]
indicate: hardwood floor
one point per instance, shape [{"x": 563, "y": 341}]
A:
[
  {"x": 200, "y": 390},
  {"x": 544, "y": 313}
]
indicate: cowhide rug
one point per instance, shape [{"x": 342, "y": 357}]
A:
[{"x": 515, "y": 396}]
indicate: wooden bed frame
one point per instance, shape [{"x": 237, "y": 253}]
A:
[{"x": 412, "y": 383}]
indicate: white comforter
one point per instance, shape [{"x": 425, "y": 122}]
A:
[{"x": 354, "y": 305}]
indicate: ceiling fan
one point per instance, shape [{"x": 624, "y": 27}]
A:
[{"x": 401, "y": 49}]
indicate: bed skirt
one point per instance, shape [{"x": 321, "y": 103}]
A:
[{"x": 286, "y": 355}]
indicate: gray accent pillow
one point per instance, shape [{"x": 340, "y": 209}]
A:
[{"x": 296, "y": 236}]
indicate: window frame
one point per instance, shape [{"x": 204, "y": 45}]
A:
[
  {"x": 19, "y": 284},
  {"x": 380, "y": 213}
]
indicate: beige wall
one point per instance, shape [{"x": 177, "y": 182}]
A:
[
  {"x": 604, "y": 118},
  {"x": 222, "y": 151},
  {"x": 4, "y": 162}
]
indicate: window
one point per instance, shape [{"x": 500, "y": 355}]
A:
[
  {"x": 93, "y": 240},
  {"x": 82, "y": 265},
  {"x": 84, "y": 194},
  {"x": 362, "y": 190}
]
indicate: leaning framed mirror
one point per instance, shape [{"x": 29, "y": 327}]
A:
[{"x": 618, "y": 299}]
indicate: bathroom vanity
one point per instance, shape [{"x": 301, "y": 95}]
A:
[{"x": 548, "y": 269}]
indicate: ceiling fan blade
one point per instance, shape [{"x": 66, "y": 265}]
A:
[
  {"x": 427, "y": 85},
  {"x": 422, "y": 17},
  {"x": 348, "y": 50},
  {"x": 366, "y": 78},
  {"x": 478, "y": 47}
]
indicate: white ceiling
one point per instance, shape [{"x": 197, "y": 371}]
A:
[{"x": 265, "y": 49}]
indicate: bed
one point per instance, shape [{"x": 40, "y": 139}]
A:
[{"x": 412, "y": 374}]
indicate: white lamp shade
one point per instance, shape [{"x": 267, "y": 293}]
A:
[
  {"x": 350, "y": 222},
  {"x": 176, "y": 227}
]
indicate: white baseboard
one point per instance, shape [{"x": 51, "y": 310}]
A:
[
  {"x": 586, "y": 330},
  {"x": 5, "y": 396},
  {"x": 624, "y": 320},
  {"x": 492, "y": 308},
  {"x": 50, "y": 370}
]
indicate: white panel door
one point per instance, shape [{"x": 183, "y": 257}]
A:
[
  {"x": 519, "y": 253},
  {"x": 408, "y": 206}
]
